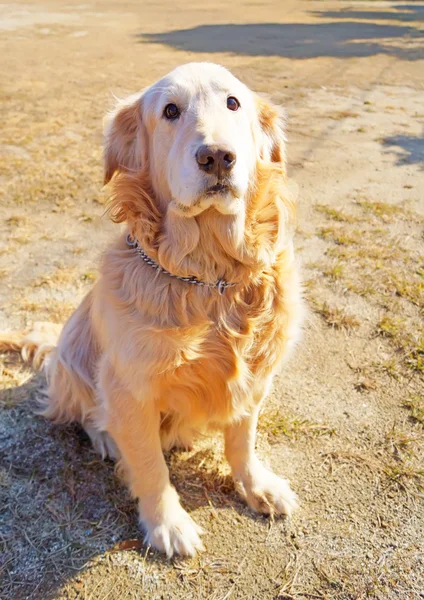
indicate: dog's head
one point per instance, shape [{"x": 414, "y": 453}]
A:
[{"x": 200, "y": 133}]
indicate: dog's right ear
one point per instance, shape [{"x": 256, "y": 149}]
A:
[
  {"x": 271, "y": 121},
  {"x": 124, "y": 145}
]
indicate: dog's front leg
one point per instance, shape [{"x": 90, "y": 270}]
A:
[
  {"x": 134, "y": 426},
  {"x": 264, "y": 491}
]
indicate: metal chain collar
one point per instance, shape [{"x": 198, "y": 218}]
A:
[{"x": 221, "y": 285}]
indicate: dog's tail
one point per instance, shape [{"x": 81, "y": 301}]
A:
[{"x": 34, "y": 344}]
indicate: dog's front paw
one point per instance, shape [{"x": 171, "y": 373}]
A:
[
  {"x": 176, "y": 534},
  {"x": 269, "y": 494}
]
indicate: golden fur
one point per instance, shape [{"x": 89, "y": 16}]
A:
[{"x": 147, "y": 360}]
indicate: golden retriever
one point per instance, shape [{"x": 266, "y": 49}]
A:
[{"x": 197, "y": 303}]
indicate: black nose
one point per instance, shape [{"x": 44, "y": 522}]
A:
[{"x": 215, "y": 160}]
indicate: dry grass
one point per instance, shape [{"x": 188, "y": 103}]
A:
[
  {"x": 335, "y": 271},
  {"x": 343, "y": 114},
  {"x": 335, "y": 214},
  {"x": 336, "y": 317},
  {"x": 17, "y": 220},
  {"x": 277, "y": 424},
  {"x": 21, "y": 238},
  {"x": 365, "y": 252},
  {"x": 401, "y": 469},
  {"x": 406, "y": 286},
  {"x": 363, "y": 288},
  {"x": 403, "y": 444},
  {"x": 340, "y": 236},
  {"x": 414, "y": 355},
  {"x": 415, "y": 404},
  {"x": 390, "y": 326},
  {"x": 13, "y": 374},
  {"x": 63, "y": 275},
  {"x": 391, "y": 366},
  {"x": 89, "y": 276},
  {"x": 357, "y": 457},
  {"x": 381, "y": 209},
  {"x": 49, "y": 310},
  {"x": 407, "y": 337},
  {"x": 366, "y": 384},
  {"x": 78, "y": 250},
  {"x": 373, "y": 264},
  {"x": 388, "y": 212},
  {"x": 407, "y": 476}
]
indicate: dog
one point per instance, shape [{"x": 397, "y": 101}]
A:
[{"x": 198, "y": 302}]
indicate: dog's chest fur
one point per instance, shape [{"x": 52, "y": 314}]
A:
[
  {"x": 203, "y": 357},
  {"x": 223, "y": 367}
]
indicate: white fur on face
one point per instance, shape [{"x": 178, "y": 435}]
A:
[{"x": 200, "y": 91}]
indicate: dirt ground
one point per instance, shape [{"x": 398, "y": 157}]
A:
[{"x": 345, "y": 419}]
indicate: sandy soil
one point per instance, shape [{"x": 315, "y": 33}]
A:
[{"x": 345, "y": 419}]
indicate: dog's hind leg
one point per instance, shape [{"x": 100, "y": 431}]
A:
[
  {"x": 174, "y": 433},
  {"x": 71, "y": 370},
  {"x": 102, "y": 443},
  {"x": 34, "y": 344}
]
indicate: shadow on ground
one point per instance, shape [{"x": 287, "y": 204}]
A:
[
  {"x": 61, "y": 505},
  {"x": 403, "y": 12},
  {"x": 408, "y": 149},
  {"x": 294, "y": 40}
]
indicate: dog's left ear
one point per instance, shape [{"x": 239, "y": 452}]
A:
[
  {"x": 123, "y": 146},
  {"x": 271, "y": 121}
]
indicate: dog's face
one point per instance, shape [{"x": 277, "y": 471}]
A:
[
  {"x": 199, "y": 119},
  {"x": 200, "y": 132}
]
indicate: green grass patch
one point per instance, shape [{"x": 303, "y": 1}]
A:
[
  {"x": 390, "y": 327},
  {"x": 339, "y": 236},
  {"x": 415, "y": 404},
  {"x": 335, "y": 214},
  {"x": 277, "y": 424},
  {"x": 334, "y": 271}
]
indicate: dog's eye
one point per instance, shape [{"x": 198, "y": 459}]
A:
[
  {"x": 233, "y": 103},
  {"x": 171, "y": 112}
]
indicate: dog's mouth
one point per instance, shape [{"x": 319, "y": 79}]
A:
[
  {"x": 222, "y": 196},
  {"x": 219, "y": 188}
]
